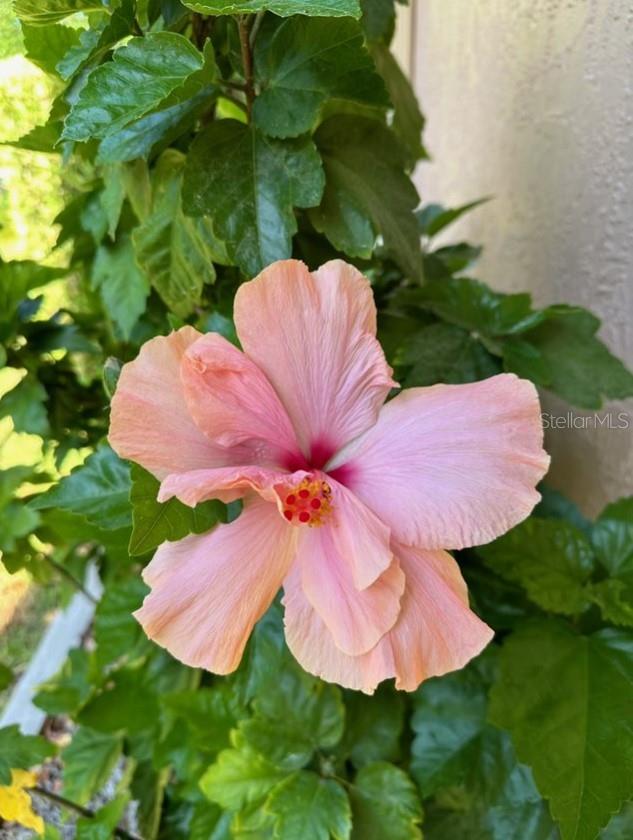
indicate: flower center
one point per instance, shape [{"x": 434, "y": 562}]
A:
[{"x": 309, "y": 503}]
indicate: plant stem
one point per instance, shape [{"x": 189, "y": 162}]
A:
[
  {"x": 78, "y": 809},
  {"x": 255, "y": 28},
  {"x": 71, "y": 578},
  {"x": 247, "y": 63}
]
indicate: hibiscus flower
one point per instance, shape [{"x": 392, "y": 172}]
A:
[{"x": 349, "y": 502}]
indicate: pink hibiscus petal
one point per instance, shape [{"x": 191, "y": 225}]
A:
[
  {"x": 149, "y": 421},
  {"x": 234, "y": 404},
  {"x": 436, "y": 631},
  {"x": 313, "y": 335},
  {"x": 209, "y": 590},
  {"x": 226, "y": 484},
  {"x": 357, "y": 619},
  {"x": 451, "y": 466}
]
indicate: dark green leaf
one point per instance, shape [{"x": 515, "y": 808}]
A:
[
  {"x": 433, "y": 217},
  {"x": 283, "y": 8},
  {"x": 248, "y": 185},
  {"x": 128, "y": 703},
  {"x": 307, "y": 807},
  {"x": 123, "y": 286},
  {"x": 20, "y": 752},
  {"x": 88, "y": 761},
  {"x": 98, "y": 39},
  {"x": 6, "y": 676},
  {"x": 445, "y": 353},
  {"x": 117, "y": 633},
  {"x": 98, "y": 490},
  {"x": 154, "y": 523},
  {"x": 550, "y": 558},
  {"x": 174, "y": 250},
  {"x": 303, "y": 62},
  {"x": 385, "y": 803},
  {"x": 373, "y": 726},
  {"x": 367, "y": 192},
  {"x": 612, "y": 539},
  {"x": 378, "y": 19},
  {"x": 566, "y": 700}
]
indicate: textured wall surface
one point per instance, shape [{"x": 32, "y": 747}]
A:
[{"x": 531, "y": 101}]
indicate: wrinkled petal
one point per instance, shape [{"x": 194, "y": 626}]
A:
[
  {"x": 149, "y": 421},
  {"x": 357, "y": 619},
  {"x": 436, "y": 631},
  {"x": 209, "y": 590},
  {"x": 234, "y": 404},
  {"x": 451, "y": 466},
  {"x": 226, "y": 484},
  {"x": 313, "y": 335}
]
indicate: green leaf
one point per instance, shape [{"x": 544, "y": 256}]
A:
[
  {"x": 307, "y": 807},
  {"x": 408, "y": 121},
  {"x": 174, "y": 250},
  {"x": 127, "y": 703},
  {"x": 612, "y": 539},
  {"x": 25, "y": 405},
  {"x": 303, "y": 62},
  {"x": 433, "y": 217},
  {"x": 123, "y": 286},
  {"x": 16, "y": 280},
  {"x": 154, "y": 523},
  {"x": 283, "y": 8},
  {"x": 373, "y": 726},
  {"x": 46, "y": 46},
  {"x": 88, "y": 761},
  {"x": 68, "y": 690},
  {"x": 98, "y": 490},
  {"x": 142, "y": 73},
  {"x": 566, "y": 700},
  {"x": 20, "y": 752},
  {"x": 211, "y": 714},
  {"x": 98, "y": 39},
  {"x": 564, "y": 355},
  {"x": 621, "y": 825},
  {"x": 102, "y": 825},
  {"x": 378, "y": 19},
  {"x": 445, "y": 353},
  {"x": 6, "y": 676},
  {"x": 367, "y": 193},
  {"x": 117, "y": 633},
  {"x": 248, "y": 184},
  {"x": 45, "y": 12},
  {"x": 239, "y": 776},
  {"x": 550, "y": 558},
  {"x": 385, "y": 803}
]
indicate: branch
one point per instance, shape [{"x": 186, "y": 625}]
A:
[
  {"x": 71, "y": 578},
  {"x": 78, "y": 809},
  {"x": 247, "y": 62}
]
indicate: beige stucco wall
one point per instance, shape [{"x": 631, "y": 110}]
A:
[{"x": 531, "y": 101}]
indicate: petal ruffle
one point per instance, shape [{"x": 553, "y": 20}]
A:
[
  {"x": 209, "y": 590},
  {"x": 234, "y": 404},
  {"x": 357, "y": 619},
  {"x": 451, "y": 466},
  {"x": 226, "y": 484},
  {"x": 436, "y": 631},
  {"x": 313, "y": 335},
  {"x": 149, "y": 421}
]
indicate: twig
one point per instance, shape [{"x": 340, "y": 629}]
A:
[
  {"x": 255, "y": 28},
  {"x": 71, "y": 578},
  {"x": 78, "y": 809},
  {"x": 247, "y": 63}
]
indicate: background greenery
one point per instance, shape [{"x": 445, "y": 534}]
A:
[{"x": 157, "y": 154}]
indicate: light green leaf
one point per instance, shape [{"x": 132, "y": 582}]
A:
[
  {"x": 102, "y": 825},
  {"x": 385, "y": 803},
  {"x": 445, "y": 353},
  {"x": 20, "y": 752},
  {"x": 46, "y": 46},
  {"x": 303, "y": 62},
  {"x": 98, "y": 490},
  {"x": 248, "y": 184},
  {"x": 307, "y": 807},
  {"x": 154, "y": 523},
  {"x": 123, "y": 286},
  {"x": 567, "y": 700},
  {"x": 117, "y": 633},
  {"x": 283, "y": 8},
  {"x": 45, "y": 12},
  {"x": 367, "y": 192},
  {"x": 142, "y": 74},
  {"x": 408, "y": 121},
  {"x": 175, "y": 251},
  {"x": 239, "y": 776},
  {"x": 550, "y": 558},
  {"x": 26, "y": 406},
  {"x": 112, "y": 196},
  {"x": 68, "y": 690}
]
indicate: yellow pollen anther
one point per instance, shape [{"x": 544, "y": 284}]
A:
[{"x": 309, "y": 503}]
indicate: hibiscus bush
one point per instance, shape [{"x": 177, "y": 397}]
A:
[{"x": 201, "y": 143}]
